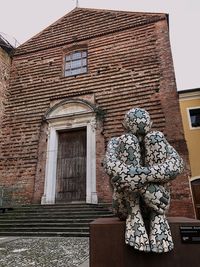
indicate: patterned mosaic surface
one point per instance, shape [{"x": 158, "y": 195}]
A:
[{"x": 140, "y": 163}]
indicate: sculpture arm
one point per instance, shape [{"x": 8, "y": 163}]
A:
[
  {"x": 133, "y": 178},
  {"x": 160, "y": 155}
]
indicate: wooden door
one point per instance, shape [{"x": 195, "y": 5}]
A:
[
  {"x": 71, "y": 166},
  {"x": 196, "y": 196}
]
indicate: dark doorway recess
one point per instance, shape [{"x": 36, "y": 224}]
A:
[
  {"x": 196, "y": 196},
  {"x": 71, "y": 166}
]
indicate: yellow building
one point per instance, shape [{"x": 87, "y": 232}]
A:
[{"x": 190, "y": 111}]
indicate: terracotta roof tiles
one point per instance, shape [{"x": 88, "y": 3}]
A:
[{"x": 84, "y": 23}]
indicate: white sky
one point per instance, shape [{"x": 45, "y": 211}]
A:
[{"x": 22, "y": 19}]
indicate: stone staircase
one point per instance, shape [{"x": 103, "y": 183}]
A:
[{"x": 51, "y": 220}]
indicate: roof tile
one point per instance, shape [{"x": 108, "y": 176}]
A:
[{"x": 91, "y": 22}]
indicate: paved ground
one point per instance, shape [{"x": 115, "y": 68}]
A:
[{"x": 44, "y": 252}]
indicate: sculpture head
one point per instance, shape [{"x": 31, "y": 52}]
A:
[{"x": 138, "y": 121}]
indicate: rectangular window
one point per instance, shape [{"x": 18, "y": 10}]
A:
[
  {"x": 194, "y": 117},
  {"x": 75, "y": 63}
]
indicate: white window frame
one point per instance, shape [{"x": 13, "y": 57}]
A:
[{"x": 72, "y": 60}]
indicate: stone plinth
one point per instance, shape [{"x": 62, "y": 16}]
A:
[{"x": 107, "y": 247}]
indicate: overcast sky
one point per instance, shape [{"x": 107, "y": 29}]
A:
[{"x": 22, "y": 19}]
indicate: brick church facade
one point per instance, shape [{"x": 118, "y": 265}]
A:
[{"x": 70, "y": 86}]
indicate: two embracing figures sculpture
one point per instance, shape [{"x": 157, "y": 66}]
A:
[{"x": 140, "y": 163}]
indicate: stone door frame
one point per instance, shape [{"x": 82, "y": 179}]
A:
[{"x": 70, "y": 114}]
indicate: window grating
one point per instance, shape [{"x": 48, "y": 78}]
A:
[{"x": 76, "y": 63}]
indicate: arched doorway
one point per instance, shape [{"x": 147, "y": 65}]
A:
[{"x": 70, "y": 174}]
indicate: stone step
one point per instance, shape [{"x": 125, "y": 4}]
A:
[
  {"x": 71, "y": 209},
  {"x": 46, "y": 234},
  {"x": 43, "y": 224},
  {"x": 47, "y": 220},
  {"x": 63, "y": 206},
  {"x": 55, "y": 217},
  {"x": 45, "y": 229},
  {"x": 51, "y": 220},
  {"x": 55, "y": 213}
]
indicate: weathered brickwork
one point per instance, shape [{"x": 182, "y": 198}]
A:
[
  {"x": 129, "y": 65},
  {"x": 181, "y": 194},
  {"x": 5, "y": 63}
]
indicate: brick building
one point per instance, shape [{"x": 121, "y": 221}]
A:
[
  {"x": 5, "y": 62},
  {"x": 70, "y": 86}
]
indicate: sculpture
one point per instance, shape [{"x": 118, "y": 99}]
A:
[{"x": 140, "y": 163}]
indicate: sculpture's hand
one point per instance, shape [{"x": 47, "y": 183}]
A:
[{"x": 156, "y": 197}]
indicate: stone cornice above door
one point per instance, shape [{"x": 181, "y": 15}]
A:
[{"x": 68, "y": 108}]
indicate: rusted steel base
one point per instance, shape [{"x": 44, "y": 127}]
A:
[{"x": 107, "y": 247}]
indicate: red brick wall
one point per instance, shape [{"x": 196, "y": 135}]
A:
[
  {"x": 5, "y": 63},
  {"x": 181, "y": 194},
  {"x": 127, "y": 68}
]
